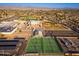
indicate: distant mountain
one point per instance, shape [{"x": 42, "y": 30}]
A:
[{"x": 35, "y": 8}]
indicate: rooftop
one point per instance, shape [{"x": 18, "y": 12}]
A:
[{"x": 7, "y": 26}]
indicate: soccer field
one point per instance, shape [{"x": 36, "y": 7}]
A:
[{"x": 42, "y": 45}]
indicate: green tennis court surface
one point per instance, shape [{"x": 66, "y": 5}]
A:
[{"x": 42, "y": 45}]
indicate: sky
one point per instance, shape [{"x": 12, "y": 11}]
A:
[{"x": 46, "y": 5}]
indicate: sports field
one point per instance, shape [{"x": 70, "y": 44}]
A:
[{"x": 42, "y": 45}]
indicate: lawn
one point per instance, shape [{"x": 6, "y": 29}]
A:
[{"x": 42, "y": 45}]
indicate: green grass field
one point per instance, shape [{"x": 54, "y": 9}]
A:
[{"x": 42, "y": 45}]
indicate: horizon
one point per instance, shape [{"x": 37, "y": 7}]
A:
[{"x": 41, "y": 5}]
